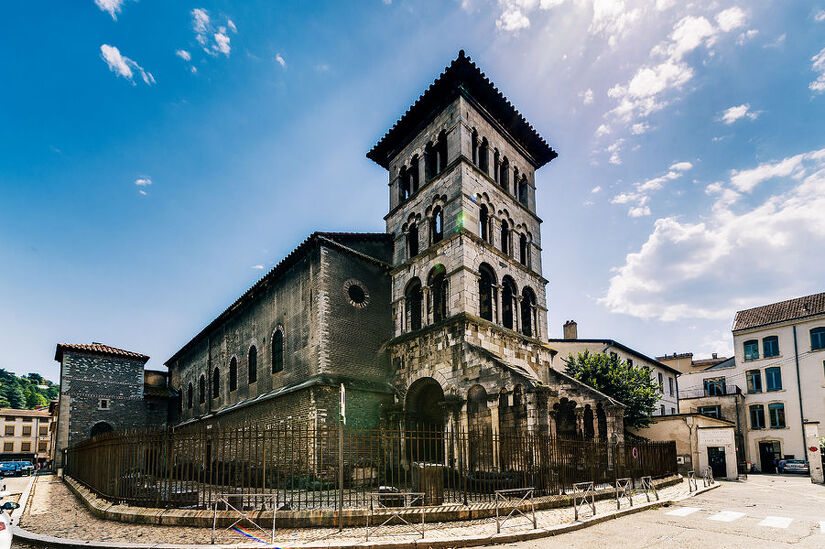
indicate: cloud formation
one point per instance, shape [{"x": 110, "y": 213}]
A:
[
  {"x": 638, "y": 198},
  {"x": 818, "y": 85},
  {"x": 514, "y": 13},
  {"x": 731, "y": 115},
  {"x": 214, "y": 40},
  {"x": 112, "y": 7},
  {"x": 280, "y": 60},
  {"x": 123, "y": 66},
  {"x": 746, "y": 251}
]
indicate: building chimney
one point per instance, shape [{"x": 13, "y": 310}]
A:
[
  {"x": 714, "y": 355},
  {"x": 571, "y": 330}
]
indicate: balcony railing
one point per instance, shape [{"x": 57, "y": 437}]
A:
[{"x": 710, "y": 391}]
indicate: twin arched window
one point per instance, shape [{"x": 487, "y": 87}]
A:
[
  {"x": 437, "y": 281},
  {"x": 277, "y": 351},
  {"x": 484, "y": 223}
]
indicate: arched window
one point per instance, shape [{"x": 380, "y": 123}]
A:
[
  {"x": 770, "y": 346},
  {"x": 505, "y": 237},
  {"x": 484, "y": 156},
  {"x": 430, "y": 162},
  {"x": 515, "y": 181},
  {"x": 189, "y": 393},
  {"x": 474, "y": 139},
  {"x": 277, "y": 351},
  {"x": 202, "y": 389},
  {"x": 437, "y": 281},
  {"x": 484, "y": 223},
  {"x": 412, "y": 240},
  {"x": 437, "y": 224},
  {"x": 403, "y": 184},
  {"x": 413, "y": 174},
  {"x": 486, "y": 280},
  {"x": 505, "y": 175},
  {"x": 528, "y": 308},
  {"x": 522, "y": 190},
  {"x": 508, "y": 296},
  {"x": 817, "y": 339},
  {"x": 252, "y": 363},
  {"x": 233, "y": 374},
  {"x": 413, "y": 296},
  {"x": 216, "y": 382},
  {"x": 522, "y": 249},
  {"x": 442, "y": 151},
  {"x": 496, "y": 165}
]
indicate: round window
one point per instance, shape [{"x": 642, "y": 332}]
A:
[{"x": 357, "y": 294}]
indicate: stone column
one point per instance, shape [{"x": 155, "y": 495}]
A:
[
  {"x": 517, "y": 313},
  {"x": 422, "y": 174},
  {"x": 579, "y": 422},
  {"x": 494, "y": 429},
  {"x": 496, "y": 289},
  {"x": 426, "y": 319}
]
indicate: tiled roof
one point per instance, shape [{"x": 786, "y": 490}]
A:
[
  {"x": 23, "y": 413},
  {"x": 328, "y": 238},
  {"x": 792, "y": 309},
  {"x": 95, "y": 348},
  {"x": 461, "y": 77}
]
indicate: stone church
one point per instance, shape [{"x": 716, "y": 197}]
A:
[{"x": 440, "y": 322}]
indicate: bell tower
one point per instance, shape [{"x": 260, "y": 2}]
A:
[{"x": 462, "y": 208}]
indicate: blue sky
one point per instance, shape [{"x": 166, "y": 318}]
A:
[{"x": 157, "y": 156}]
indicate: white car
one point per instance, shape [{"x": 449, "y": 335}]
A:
[{"x": 5, "y": 524}]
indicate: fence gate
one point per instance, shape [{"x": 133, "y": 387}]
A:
[{"x": 241, "y": 509}]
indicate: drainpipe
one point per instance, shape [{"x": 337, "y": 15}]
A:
[{"x": 799, "y": 392}]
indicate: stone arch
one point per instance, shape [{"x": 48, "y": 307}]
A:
[
  {"x": 565, "y": 412},
  {"x": 100, "y": 428},
  {"x": 438, "y": 298},
  {"x": 479, "y": 429},
  {"x": 424, "y": 419}
]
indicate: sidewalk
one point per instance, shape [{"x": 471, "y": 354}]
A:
[{"x": 52, "y": 510}]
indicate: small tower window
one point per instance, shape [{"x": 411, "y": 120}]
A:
[
  {"x": 413, "y": 296},
  {"x": 483, "y": 223},
  {"x": 442, "y": 151},
  {"x": 412, "y": 173},
  {"x": 474, "y": 139},
  {"x": 437, "y": 224},
  {"x": 522, "y": 190},
  {"x": 505, "y": 175},
  {"x": 484, "y": 156},
  {"x": 403, "y": 184},
  {"x": 437, "y": 282},
  {"x": 496, "y": 166},
  {"x": 412, "y": 240},
  {"x": 505, "y": 237},
  {"x": 486, "y": 280},
  {"x": 528, "y": 309},
  {"x": 522, "y": 249},
  {"x": 430, "y": 162}
]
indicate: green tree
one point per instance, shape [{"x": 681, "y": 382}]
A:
[
  {"x": 14, "y": 395},
  {"x": 631, "y": 385},
  {"x": 4, "y": 403}
]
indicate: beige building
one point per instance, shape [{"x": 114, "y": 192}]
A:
[
  {"x": 685, "y": 363},
  {"x": 26, "y": 435},
  {"x": 664, "y": 375},
  {"x": 701, "y": 442}
]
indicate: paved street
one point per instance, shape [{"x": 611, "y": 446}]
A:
[{"x": 764, "y": 511}]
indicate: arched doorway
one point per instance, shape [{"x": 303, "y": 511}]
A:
[
  {"x": 99, "y": 428},
  {"x": 565, "y": 419},
  {"x": 424, "y": 418}
]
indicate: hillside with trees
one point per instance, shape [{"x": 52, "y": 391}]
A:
[{"x": 26, "y": 392}]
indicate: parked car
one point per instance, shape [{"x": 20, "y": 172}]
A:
[
  {"x": 10, "y": 469},
  {"x": 5, "y": 524},
  {"x": 26, "y": 467},
  {"x": 797, "y": 466}
]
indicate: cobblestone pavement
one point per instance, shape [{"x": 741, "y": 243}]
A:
[{"x": 54, "y": 510}]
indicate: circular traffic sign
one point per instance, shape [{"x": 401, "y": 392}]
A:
[{"x": 635, "y": 453}]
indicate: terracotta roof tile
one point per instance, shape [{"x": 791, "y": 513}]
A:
[
  {"x": 95, "y": 348},
  {"x": 23, "y": 413},
  {"x": 801, "y": 307}
]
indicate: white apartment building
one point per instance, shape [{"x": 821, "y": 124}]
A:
[
  {"x": 664, "y": 375},
  {"x": 779, "y": 371}
]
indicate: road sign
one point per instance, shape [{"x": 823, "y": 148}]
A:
[{"x": 635, "y": 453}]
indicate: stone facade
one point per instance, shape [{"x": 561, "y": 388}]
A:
[{"x": 103, "y": 389}]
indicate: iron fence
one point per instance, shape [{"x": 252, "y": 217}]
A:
[{"x": 300, "y": 464}]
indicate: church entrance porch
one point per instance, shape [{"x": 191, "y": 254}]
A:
[{"x": 424, "y": 422}]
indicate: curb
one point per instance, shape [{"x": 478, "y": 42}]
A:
[{"x": 431, "y": 543}]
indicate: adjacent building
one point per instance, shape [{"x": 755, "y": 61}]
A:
[
  {"x": 685, "y": 363},
  {"x": 26, "y": 435},
  {"x": 104, "y": 388},
  {"x": 666, "y": 377}
]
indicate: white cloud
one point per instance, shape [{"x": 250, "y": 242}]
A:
[
  {"x": 280, "y": 59},
  {"x": 731, "y": 115},
  {"x": 183, "y": 54},
  {"x": 110, "y": 6},
  {"x": 213, "y": 40},
  {"x": 731, "y": 18},
  {"x": 123, "y": 66},
  {"x": 596, "y": 189},
  {"x": 639, "y": 128},
  {"x": 747, "y": 35},
  {"x": 512, "y": 19},
  {"x": 640, "y": 196},
  {"x": 587, "y": 96},
  {"x": 645, "y": 92},
  {"x": 258, "y": 267},
  {"x": 514, "y": 13},
  {"x": 603, "y": 129},
  {"x": 143, "y": 181},
  {"x": 733, "y": 257},
  {"x": 820, "y": 16},
  {"x": 818, "y": 65}
]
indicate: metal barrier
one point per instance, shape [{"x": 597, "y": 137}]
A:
[
  {"x": 239, "y": 504},
  {"x": 707, "y": 478},
  {"x": 395, "y": 503},
  {"x": 624, "y": 489},
  {"x": 648, "y": 487},
  {"x": 583, "y": 494},
  {"x": 692, "y": 487},
  {"x": 504, "y": 495}
]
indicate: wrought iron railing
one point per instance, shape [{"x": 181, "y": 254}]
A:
[{"x": 300, "y": 465}]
